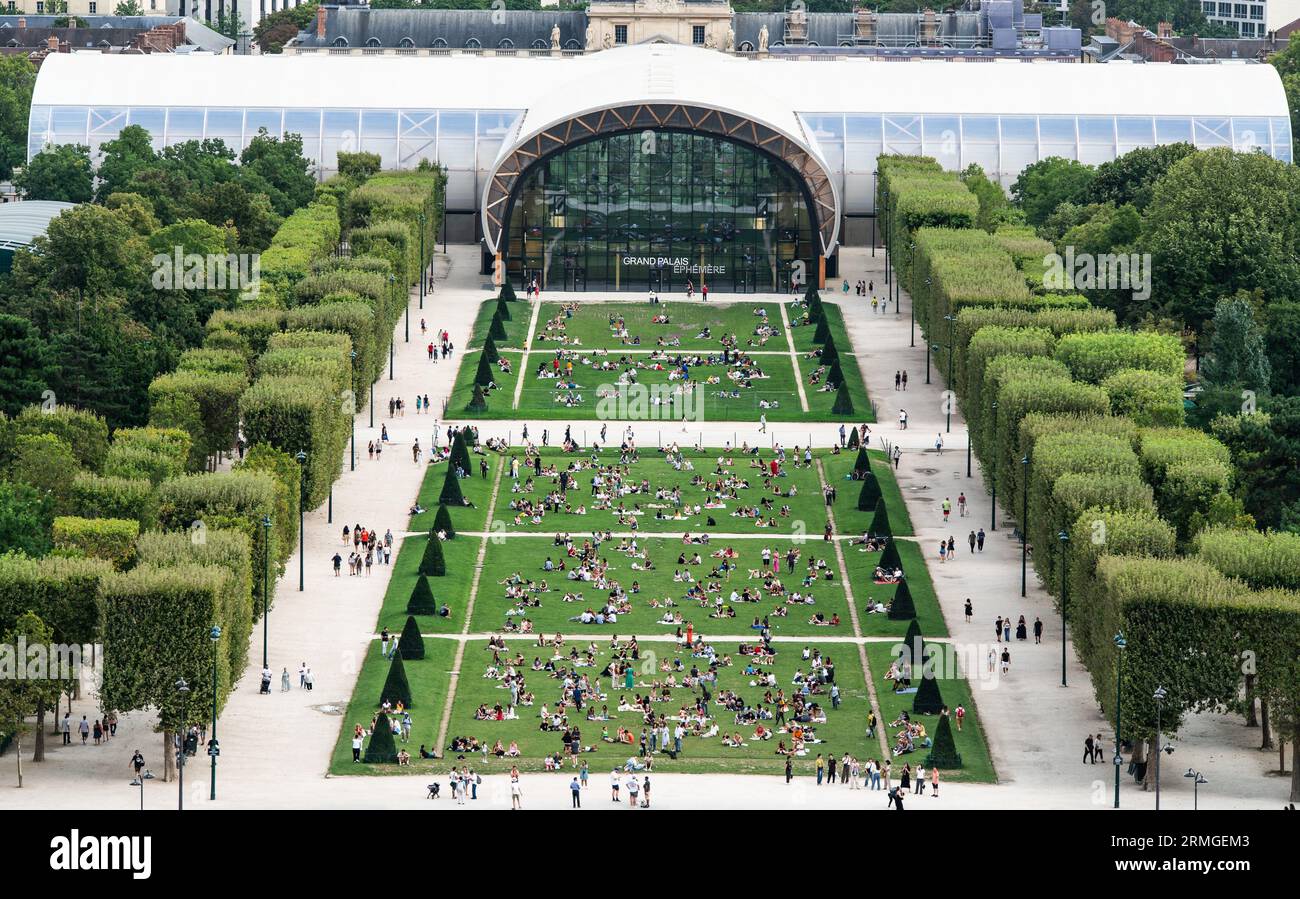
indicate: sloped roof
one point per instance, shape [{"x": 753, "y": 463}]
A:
[
  {"x": 454, "y": 27},
  {"x": 23, "y": 222}
]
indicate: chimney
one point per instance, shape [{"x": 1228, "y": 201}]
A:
[
  {"x": 22, "y": 21},
  {"x": 52, "y": 44},
  {"x": 320, "y": 22}
]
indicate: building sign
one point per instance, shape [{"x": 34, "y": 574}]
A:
[{"x": 680, "y": 265}]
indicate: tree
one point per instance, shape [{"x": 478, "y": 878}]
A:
[
  {"x": 870, "y": 493},
  {"x": 503, "y": 309},
  {"x": 276, "y": 29},
  {"x": 442, "y": 524},
  {"x": 1282, "y": 337},
  {"x": 497, "y": 329},
  {"x": 880, "y": 526},
  {"x": 1048, "y": 183},
  {"x": 862, "y": 463},
  {"x": 889, "y": 559},
  {"x": 122, "y": 157},
  {"x": 22, "y": 696},
  {"x": 90, "y": 252},
  {"x": 943, "y": 753},
  {"x": 490, "y": 350},
  {"x": 928, "y": 701},
  {"x": 432, "y": 563},
  {"x": 451, "y": 494},
  {"x": 61, "y": 172},
  {"x": 843, "y": 404},
  {"x": 360, "y": 166},
  {"x": 507, "y": 292},
  {"x": 1220, "y": 222},
  {"x": 278, "y": 169},
  {"x": 128, "y": 8},
  {"x": 17, "y": 79},
  {"x": 135, "y": 210},
  {"x": 46, "y": 463},
  {"x": 903, "y": 608},
  {"x": 396, "y": 689},
  {"x": 822, "y": 331},
  {"x": 482, "y": 376},
  {"x": 26, "y": 516},
  {"x": 1265, "y": 449},
  {"x": 1130, "y": 179},
  {"x": 1237, "y": 351},
  {"x": 24, "y": 364},
  {"x": 410, "y": 645},
  {"x": 853, "y": 438},
  {"x": 829, "y": 352},
  {"x": 994, "y": 205},
  {"x": 381, "y": 747},
  {"x": 421, "y": 601}
]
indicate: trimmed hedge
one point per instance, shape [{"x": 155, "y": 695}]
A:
[
  {"x": 63, "y": 591},
  {"x": 1095, "y": 356},
  {"x": 84, "y": 431},
  {"x": 96, "y": 496},
  {"x": 356, "y": 319},
  {"x": 1149, "y": 398},
  {"x": 1263, "y": 560},
  {"x": 990, "y": 342},
  {"x": 216, "y": 396},
  {"x": 111, "y": 539},
  {"x": 296, "y": 414},
  {"x": 153, "y": 453},
  {"x": 410, "y": 645},
  {"x": 284, "y": 469},
  {"x": 308, "y": 233}
]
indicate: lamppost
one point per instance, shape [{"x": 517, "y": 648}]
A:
[
  {"x": 928, "y": 347},
  {"x": 898, "y": 288},
  {"x": 302, "y": 517},
  {"x": 266, "y": 582},
  {"x": 888, "y": 243},
  {"x": 968, "y": 450},
  {"x": 214, "y": 748},
  {"x": 1120, "y": 643},
  {"x": 353, "y": 422},
  {"x": 372, "y": 404},
  {"x": 139, "y": 782},
  {"x": 952, "y": 320},
  {"x": 392, "y": 280},
  {"x": 875, "y": 210},
  {"x": 1159, "y": 697},
  {"x": 184, "y": 690},
  {"x": 1197, "y": 780},
  {"x": 993, "y": 471},
  {"x": 424, "y": 260},
  {"x": 1064, "y": 537}
]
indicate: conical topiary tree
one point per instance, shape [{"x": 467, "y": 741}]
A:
[
  {"x": 432, "y": 563},
  {"x": 943, "y": 752},
  {"x": 490, "y": 352},
  {"x": 484, "y": 373},
  {"x": 914, "y": 642},
  {"x": 843, "y": 402},
  {"x": 829, "y": 352},
  {"x": 460, "y": 453},
  {"x": 836, "y": 374},
  {"x": 477, "y": 401},
  {"x": 381, "y": 747},
  {"x": 508, "y": 292},
  {"x": 422, "y": 601},
  {"x": 813, "y": 298},
  {"x": 410, "y": 645},
  {"x": 902, "y": 608},
  {"x": 442, "y": 523},
  {"x": 880, "y": 520},
  {"x": 451, "y": 495},
  {"x": 396, "y": 688},
  {"x": 889, "y": 559},
  {"x": 853, "y": 438},
  {"x": 928, "y": 699},
  {"x": 503, "y": 309},
  {"x": 863, "y": 461},
  {"x": 823, "y": 331},
  {"x": 870, "y": 494},
  {"x": 497, "y": 330}
]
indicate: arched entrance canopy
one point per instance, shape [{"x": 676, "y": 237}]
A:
[{"x": 506, "y": 177}]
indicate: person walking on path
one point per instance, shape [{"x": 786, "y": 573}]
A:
[
  {"x": 575, "y": 789},
  {"x": 614, "y": 785},
  {"x": 938, "y": 444},
  {"x": 934, "y": 783},
  {"x": 789, "y": 771},
  {"x": 904, "y": 380},
  {"x": 284, "y": 680},
  {"x": 961, "y": 504},
  {"x": 979, "y": 539},
  {"x": 898, "y": 380},
  {"x": 972, "y": 539},
  {"x": 947, "y": 509},
  {"x": 67, "y": 730},
  {"x": 516, "y": 793}
]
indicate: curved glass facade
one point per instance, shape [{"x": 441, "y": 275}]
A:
[{"x": 651, "y": 210}]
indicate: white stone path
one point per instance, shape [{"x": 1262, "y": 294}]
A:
[{"x": 276, "y": 749}]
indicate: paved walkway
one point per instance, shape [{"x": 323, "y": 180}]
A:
[{"x": 276, "y": 749}]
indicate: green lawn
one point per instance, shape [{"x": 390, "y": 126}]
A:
[
  {"x": 516, "y": 327},
  {"x": 525, "y": 556},
  {"x": 848, "y": 518},
  {"x": 594, "y": 325},
  {"x": 977, "y": 767},
  {"x": 862, "y": 566},
  {"x": 476, "y": 489},
  {"x": 429, "y": 679},
  {"x": 805, "y": 512},
  {"x": 843, "y": 731}
]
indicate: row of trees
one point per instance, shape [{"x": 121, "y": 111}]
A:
[{"x": 1082, "y": 424}]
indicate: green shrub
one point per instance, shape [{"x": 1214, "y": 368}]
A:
[
  {"x": 153, "y": 453},
  {"x": 880, "y": 526},
  {"x": 63, "y": 591},
  {"x": 990, "y": 342},
  {"x": 1098, "y": 531},
  {"x": 1149, "y": 398},
  {"x": 1018, "y": 397},
  {"x": 978, "y": 405},
  {"x": 432, "y": 563},
  {"x": 396, "y": 689},
  {"x": 254, "y": 326},
  {"x": 111, "y": 539},
  {"x": 309, "y": 233},
  {"x": 442, "y": 524},
  {"x": 381, "y": 749},
  {"x": 285, "y": 470},
  {"x": 1264, "y": 560},
  {"x": 410, "y": 645},
  {"x": 1097, "y": 355},
  {"x": 943, "y": 753},
  {"x": 422, "y": 601},
  {"x": 84, "y": 431},
  {"x": 843, "y": 401},
  {"x": 296, "y": 414},
  {"x": 451, "y": 493},
  {"x": 1188, "y": 489},
  {"x": 889, "y": 559},
  {"x": 928, "y": 699},
  {"x": 356, "y": 319},
  {"x": 1161, "y": 448},
  {"x": 46, "y": 463},
  {"x": 902, "y": 608},
  {"x": 96, "y": 496}
]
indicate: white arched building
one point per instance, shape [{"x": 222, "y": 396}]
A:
[{"x": 644, "y": 164}]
